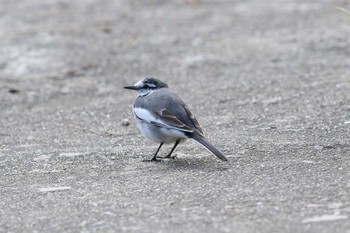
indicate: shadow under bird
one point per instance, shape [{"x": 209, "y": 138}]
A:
[{"x": 163, "y": 117}]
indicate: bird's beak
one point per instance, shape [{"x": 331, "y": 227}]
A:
[{"x": 131, "y": 87}]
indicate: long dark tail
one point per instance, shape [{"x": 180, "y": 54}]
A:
[{"x": 209, "y": 147}]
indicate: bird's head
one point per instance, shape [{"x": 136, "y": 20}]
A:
[{"x": 147, "y": 85}]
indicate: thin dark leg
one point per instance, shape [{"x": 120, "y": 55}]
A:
[
  {"x": 172, "y": 150},
  {"x": 155, "y": 155}
]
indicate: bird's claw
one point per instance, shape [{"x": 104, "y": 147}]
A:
[
  {"x": 169, "y": 157},
  {"x": 152, "y": 160}
]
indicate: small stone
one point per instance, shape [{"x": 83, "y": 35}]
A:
[
  {"x": 125, "y": 122},
  {"x": 13, "y": 91},
  {"x": 106, "y": 30}
]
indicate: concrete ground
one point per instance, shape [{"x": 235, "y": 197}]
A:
[{"x": 269, "y": 82}]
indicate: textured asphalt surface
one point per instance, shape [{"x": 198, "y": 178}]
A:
[{"x": 269, "y": 81}]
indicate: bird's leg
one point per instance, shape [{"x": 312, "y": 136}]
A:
[
  {"x": 172, "y": 150},
  {"x": 154, "y": 159}
]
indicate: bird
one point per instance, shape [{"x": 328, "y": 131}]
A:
[{"x": 163, "y": 117}]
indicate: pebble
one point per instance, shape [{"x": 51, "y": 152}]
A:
[{"x": 125, "y": 122}]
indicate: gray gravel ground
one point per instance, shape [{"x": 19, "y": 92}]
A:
[{"x": 268, "y": 80}]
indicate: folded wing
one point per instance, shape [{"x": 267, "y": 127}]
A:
[{"x": 166, "y": 118}]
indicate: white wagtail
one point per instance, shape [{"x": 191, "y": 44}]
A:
[{"x": 163, "y": 117}]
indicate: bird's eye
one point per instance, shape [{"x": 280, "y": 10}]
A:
[{"x": 149, "y": 86}]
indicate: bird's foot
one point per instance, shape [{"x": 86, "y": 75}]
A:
[
  {"x": 152, "y": 160},
  {"x": 169, "y": 157}
]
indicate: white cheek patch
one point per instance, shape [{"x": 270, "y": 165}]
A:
[
  {"x": 144, "y": 92},
  {"x": 139, "y": 84}
]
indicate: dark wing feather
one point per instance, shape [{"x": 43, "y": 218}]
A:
[
  {"x": 193, "y": 119},
  {"x": 170, "y": 119}
]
